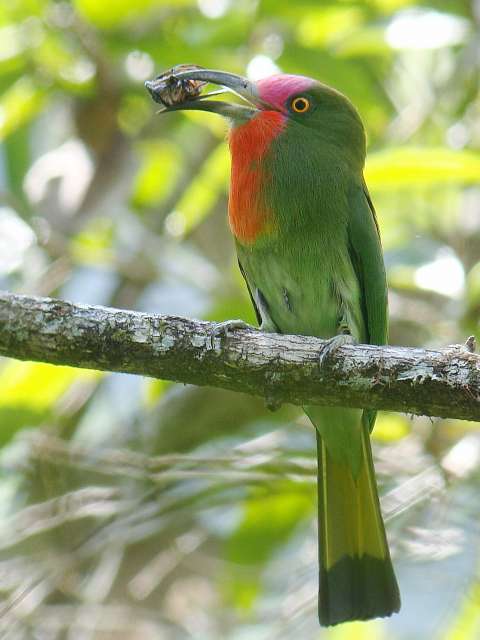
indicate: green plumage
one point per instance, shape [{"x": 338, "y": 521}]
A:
[
  {"x": 309, "y": 249},
  {"x": 320, "y": 272}
]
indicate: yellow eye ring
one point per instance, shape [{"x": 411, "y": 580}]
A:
[{"x": 300, "y": 105}]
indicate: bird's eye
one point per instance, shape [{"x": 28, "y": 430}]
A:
[{"x": 300, "y": 105}]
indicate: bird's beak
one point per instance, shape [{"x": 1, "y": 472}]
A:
[{"x": 238, "y": 85}]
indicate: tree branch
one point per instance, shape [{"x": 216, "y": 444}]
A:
[{"x": 279, "y": 367}]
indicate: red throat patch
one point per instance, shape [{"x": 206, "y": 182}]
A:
[{"x": 247, "y": 212}]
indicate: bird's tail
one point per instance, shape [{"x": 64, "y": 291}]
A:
[{"x": 357, "y": 581}]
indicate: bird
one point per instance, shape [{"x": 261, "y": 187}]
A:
[{"x": 309, "y": 249}]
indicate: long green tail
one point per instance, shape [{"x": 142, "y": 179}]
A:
[{"x": 357, "y": 581}]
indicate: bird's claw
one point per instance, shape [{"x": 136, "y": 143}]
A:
[
  {"x": 221, "y": 329},
  {"x": 332, "y": 345}
]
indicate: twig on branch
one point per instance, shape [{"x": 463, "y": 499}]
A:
[{"x": 282, "y": 368}]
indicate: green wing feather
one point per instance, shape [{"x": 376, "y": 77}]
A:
[
  {"x": 252, "y": 299},
  {"x": 366, "y": 255}
]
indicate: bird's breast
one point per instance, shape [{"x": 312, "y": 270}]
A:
[{"x": 248, "y": 212}]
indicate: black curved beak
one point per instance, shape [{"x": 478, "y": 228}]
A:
[{"x": 238, "y": 85}]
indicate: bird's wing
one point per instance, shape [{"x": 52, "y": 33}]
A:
[
  {"x": 366, "y": 255},
  {"x": 257, "y": 311}
]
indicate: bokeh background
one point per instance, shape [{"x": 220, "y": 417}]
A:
[{"x": 138, "y": 509}]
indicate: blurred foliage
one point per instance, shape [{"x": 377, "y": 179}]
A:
[{"x": 137, "y": 509}]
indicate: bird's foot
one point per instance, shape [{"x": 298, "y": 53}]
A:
[
  {"x": 332, "y": 345},
  {"x": 222, "y": 329}
]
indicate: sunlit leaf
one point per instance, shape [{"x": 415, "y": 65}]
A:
[
  {"x": 324, "y": 26},
  {"x": 368, "y": 41},
  {"x": 391, "y": 426},
  {"x": 269, "y": 521},
  {"x": 158, "y": 172},
  {"x": 93, "y": 245},
  {"x": 18, "y": 9},
  {"x": 154, "y": 390},
  {"x": 37, "y": 385},
  {"x": 466, "y": 625},
  {"x": 371, "y": 630},
  {"x": 29, "y": 392},
  {"x": 204, "y": 190},
  {"x": 417, "y": 167},
  {"x": 19, "y": 104},
  {"x": 11, "y": 48},
  {"x": 117, "y": 12},
  {"x": 110, "y": 14},
  {"x": 389, "y": 6}
]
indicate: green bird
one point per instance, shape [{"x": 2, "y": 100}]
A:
[{"x": 309, "y": 249}]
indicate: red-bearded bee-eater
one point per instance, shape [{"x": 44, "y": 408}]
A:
[{"x": 309, "y": 249}]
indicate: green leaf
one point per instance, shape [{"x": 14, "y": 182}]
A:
[
  {"x": 117, "y": 12},
  {"x": 269, "y": 521},
  {"x": 466, "y": 625},
  {"x": 324, "y": 26},
  {"x": 38, "y": 384},
  {"x": 371, "y": 630},
  {"x": 93, "y": 245},
  {"x": 21, "y": 9},
  {"x": 390, "y": 427},
  {"x": 406, "y": 167},
  {"x": 113, "y": 13},
  {"x": 30, "y": 391},
  {"x": 199, "y": 198},
  {"x": 19, "y": 104},
  {"x": 153, "y": 391},
  {"x": 161, "y": 164},
  {"x": 11, "y": 48},
  {"x": 389, "y": 6}
]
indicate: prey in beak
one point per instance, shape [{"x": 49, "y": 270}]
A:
[{"x": 181, "y": 88}]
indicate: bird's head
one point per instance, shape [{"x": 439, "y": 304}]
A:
[{"x": 309, "y": 109}]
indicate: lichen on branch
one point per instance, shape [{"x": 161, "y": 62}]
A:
[{"x": 282, "y": 368}]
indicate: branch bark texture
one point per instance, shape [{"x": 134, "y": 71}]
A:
[{"x": 282, "y": 368}]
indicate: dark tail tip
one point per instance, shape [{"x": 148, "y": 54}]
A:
[{"x": 357, "y": 588}]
